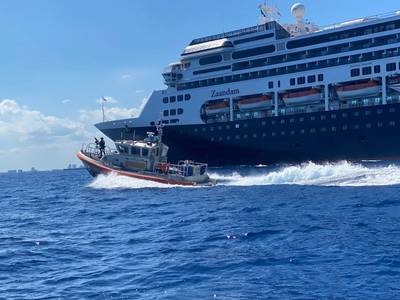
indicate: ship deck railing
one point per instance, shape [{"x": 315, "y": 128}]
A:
[
  {"x": 93, "y": 151},
  {"x": 359, "y": 20}
]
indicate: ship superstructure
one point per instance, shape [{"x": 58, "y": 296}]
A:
[{"x": 281, "y": 93}]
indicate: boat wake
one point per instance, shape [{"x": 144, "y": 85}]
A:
[{"x": 333, "y": 174}]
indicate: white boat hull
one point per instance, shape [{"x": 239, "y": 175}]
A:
[{"x": 369, "y": 91}]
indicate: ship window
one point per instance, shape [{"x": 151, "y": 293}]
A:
[
  {"x": 282, "y": 121},
  {"x": 333, "y": 116},
  {"x": 380, "y": 124},
  {"x": 196, "y": 130},
  {"x": 368, "y": 125},
  {"x": 254, "y": 135},
  {"x": 165, "y": 100},
  {"x": 292, "y": 81},
  {"x": 279, "y": 83},
  {"x": 172, "y": 112},
  {"x": 320, "y": 77},
  {"x": 152, "y": 123},
  {"x": 344, "y": 115},
  {"x": 355, "y": 72},
  {"x": 135, "y": 151},
  {"x": 367, "y": 70},
  {"x": 392, "y": 123},
  {"x": 323, "y": 129},
  {"x": 273, "y": 134},
  {"x": 228, "y": 138},
  {"x": 180, "y": 111},
  {"x": 379, "y": 111},
  {"x": 311, "y": 78},
  {"x": 356, "y": 114},
  {"x": 333, "y": 128},
  {"x": 245, "y": 136},
  {"x": 174, "y": 121},
  {"x": 323, "y": 117},
  {"x": 271, "y": 85},
  {"x": 302, "y": 131},
  {"x": 292, "y": 132},
  {"x": 166, "y": 113},
  {"x": 291, "y": 120},
  {"x": 391, "y": 67},
  {"x": 312, "y": 118},
  {"x": 187, "y": 97},
  {"x": 145, "y": 152},
  {"x": 356, "y": 126},
  {"x": 377, "y": 69},
  {"x": 172, "y": 99},
  {"x": 211, "y": 128},
  {"x": 253, "y": 52},
  {"x": 301, "y": 80},
  {"x": 344, "y": 127},
  {"x": 210, "y": 60},
  {"x": 180, "y": 98},
  {"x": 165, "y": 122},
  {"x": 255, "y": 38},
  {"x": 264, "y": 134},
  {"x": 392, "y": 110},
  {"x": 263, "y": 123},
  {"x": 283, "y": 133},
  {"x": 367, "y": 113},
  {"x": 220, "y": 139},
  {"x": 301, "y": 119}
]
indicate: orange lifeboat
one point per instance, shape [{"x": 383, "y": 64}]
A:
[
  {"x": 303, "y": 97},
  {"x": 352, "y": 90},
  {"x": 217, "y": 108},
  {"x": 260, "y": 102}
]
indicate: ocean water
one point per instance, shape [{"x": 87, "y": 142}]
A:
[{"x": 283, "y": 232}]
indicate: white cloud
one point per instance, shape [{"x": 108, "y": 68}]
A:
[
  {"x": 139, "y": 91},
  {"x": 24, "y": 124},
  {"x": 65, "y": 101},
  {"x": 30, "y": 138}
]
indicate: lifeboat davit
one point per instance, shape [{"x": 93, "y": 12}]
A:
[
  {"x": 352, "y": 90},
  {"x": 218, "y": 108},
  {"x": 303, "y": 97},
  {"x": 394, "y": 83},
  {"x": 261, "y": 102}
]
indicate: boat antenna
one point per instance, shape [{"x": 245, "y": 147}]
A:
[
  {"x": 159, "y": 127},
  {"x": 103, "y": 100}
]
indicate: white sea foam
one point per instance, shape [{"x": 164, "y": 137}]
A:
[
  {"x": 113, "y": 181},
  {"x": 336, "y": 174}
]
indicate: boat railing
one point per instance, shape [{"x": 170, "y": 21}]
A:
[{"x": 93, "y": 151}]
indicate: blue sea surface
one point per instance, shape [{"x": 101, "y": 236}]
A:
[{"x": 283, "y": 232}]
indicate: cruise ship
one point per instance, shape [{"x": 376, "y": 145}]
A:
[{"x": 280, "y": 93}]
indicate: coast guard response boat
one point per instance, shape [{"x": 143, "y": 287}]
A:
[
  {"x": 277, "y": 93},
  {"x": 143, "y": 159}
]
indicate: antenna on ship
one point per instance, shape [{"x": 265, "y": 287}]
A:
[
  {"x": 269, "y": 13},
  {"x": 103, "y": 100}
]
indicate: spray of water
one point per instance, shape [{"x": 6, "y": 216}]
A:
[{"x": 337, "y": 174}]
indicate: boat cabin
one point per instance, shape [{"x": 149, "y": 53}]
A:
[{"x": 139, "y": 155}]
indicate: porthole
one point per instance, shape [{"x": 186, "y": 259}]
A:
[
  {"x": 333, "y": 128},
  {"x": 220, "y": 139},
  {"x": 245, "y": 125},
  {"x": 254, "y": 135},
  {"x": 237, "y": 137},
  {"x": 301, "y": 119},
  {"x": 367, "y": 113},
  {"x": 219, "y": 127},
  {"x": 344, "y": 115},
  {"x": 212, "y": 139},
  {"x": 204, "y": 129},
  {"x": 379, "y": 111},
  {"x": 392, "y": 123},
  {"x": 368, "y": 125},
  {"x": 264, "y": 134},
  {"x": 323, "y": 117},
  {"x": 273, "y": 134},
  {"x": 356, "y": 113},
  {"x": 323, "y": 129},
  {"x": 302, "y": 131},
  {"x": 344, "y": 127},
  {"x": 380, "y": 124},
  {"x": 312, "y": 118},
  {"x": 283, "y": 133},
  {"x": 282, "y": 121},
  {"x": 228, "y": 138},
  {"x": 263, "y": 123},
  {"x": 356, "y": 126},
  {"x": 291, "y": 120},
  {"x": 245, "y": 136},
  {"x": 211, "y": 128},
  {"x": 392, "y": 110},
  {"x": 333, "y": 116},
  {"x": 196, "y": 130},
  {"x": 292, "y": 132},
  {"x": 312, "y": 130}
]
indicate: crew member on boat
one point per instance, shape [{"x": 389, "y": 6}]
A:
[{"x": 102, "y": 146}]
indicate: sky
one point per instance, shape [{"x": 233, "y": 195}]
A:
[{"x": 58, "y": 58}]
